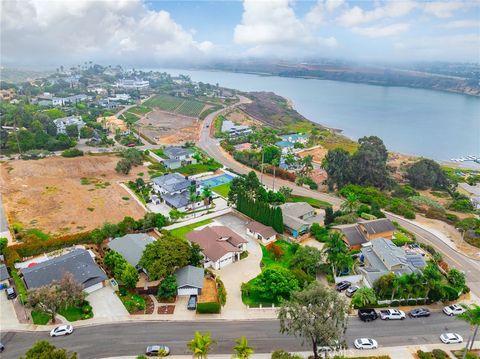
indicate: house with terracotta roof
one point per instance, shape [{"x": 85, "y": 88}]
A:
[
  {"x": 220, "y": 245},
  {"x": 261, "y": 232}
]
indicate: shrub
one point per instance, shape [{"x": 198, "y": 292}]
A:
[
  {"x": 423, "y": 355},
  {"x": 208, "y": 308},
  {"x": 168, "y": 287},
  {"x": 281, "y": 354},
  {"x": 221, "y": 291},
  {"x": 439, "y": 354},
  {"x": 73, "y": 152},
  {"x": 276, "y": 250}
]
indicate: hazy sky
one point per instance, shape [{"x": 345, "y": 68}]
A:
[{"x": 148, "y": 33}]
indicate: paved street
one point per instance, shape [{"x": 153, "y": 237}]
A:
[{"x": 132, "y": 338}]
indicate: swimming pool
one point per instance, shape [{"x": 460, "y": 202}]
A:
[{"x": 217, "y": 181}]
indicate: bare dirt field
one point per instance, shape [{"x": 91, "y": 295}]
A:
[
  {"x": 168, "y": 128},
  {"x": 318, "y": 153},
  {"x": 66, "y": 195},
  {"x": 239, "y": 117},
  {"x": 209, "y": 291}
]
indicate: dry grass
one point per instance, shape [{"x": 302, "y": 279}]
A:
[{"x": 209, "y": 291}]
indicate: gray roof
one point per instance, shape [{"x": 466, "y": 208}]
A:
[
  {"x": 78, "y": 262},
  {"x": 171, "y": 161},
  {"x": 294, "y": 222},
  {"x": 378, "y": 226},
  {"x": 190, "y": 276},
  {"x": 177, "y": 200},
  {"x": 177, "y": 151},
  {"x": 352, "y": 234},
  {"x": 296, "y": 209},
  {"x": 4, "y": 272},
  {"x": 172, "y": 182},
  {"x": 131, "y": 246}
]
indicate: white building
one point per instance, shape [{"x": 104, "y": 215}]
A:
[
  {"x": 62, "y": 123},
  {"x": 132, "y": 84},
  {"x": 261, "y": 232}
]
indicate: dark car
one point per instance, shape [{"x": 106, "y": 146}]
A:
[
  {"x": 10, "y": 292},
  {"x": 367, "y": 315},
  {"x": 2, "y": 347},
  {"x": 343, "y": 285},
  {"x": 419, "y": 312},
  {"x": 155, "y": 350},
  {"x": 192, "y": 302}
]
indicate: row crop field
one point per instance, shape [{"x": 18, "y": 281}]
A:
[
  {"x": 190, "y": 108},
  {"x": 174, "y": 104}
]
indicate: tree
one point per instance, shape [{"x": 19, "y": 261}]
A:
[
  {"x": 86, "y": 132},
  {"x": 271, "y": 153},
  {"x": 337, "y": 164},
  {"x": 44, "y": 350},
  {"x": 164, "y": 256},
  {"x": 134, "y": 156},
  {"x": 201, "y": 345},
  {"x": 329, "y": 217},
  {"x": 369, "y": 163},
  {"x": 337, "y": 253},
  {"x": 129, "y": 276},
  {"x": 70, "y": 289},
  {"x": 351, "y": 203},
  {"x": 307, "y": 258},
  {"x": 72, "y": 131},
  {"x": 426, "y": 173},
  {"x": 364, "y": 297},
  {"x": 286, "y": 191},
  {"x": 457, "y": 279},
  {"x": 307, "y": 163},
  {"x": 317, "y": 314},
  {"x": 196, "y": 256},
  {"x": 242, "y": 349},
  {"x": 168, "y": 287},
  {"x": 472, "y": 317},
  {"x": 3, "y": 244},
  {"x": 274, "y": 283},
  {"x": 123, "y": 166}
]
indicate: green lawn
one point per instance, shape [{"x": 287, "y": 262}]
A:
[
  {"x": 40, "y": 318},
  {"x": 132, "y": 301},
  {"x": 71, "y": 313},
  {"x": 182, "y": 231},
  {"x": 316, "y": 203},
  {"x": 20, "y": 285},
  {"x": 159, "y": 152},
  {"x": 37, "y": 233},
  {"x": 197, "y": 168},
  {"x": 268, "y": 259},
  {"x": 222, "y": 189},
  {"x": 140, "y": 110}
]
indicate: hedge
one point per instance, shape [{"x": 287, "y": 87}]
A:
[
  {"x": 222, "y": 292},
  {"x": 208, "y": 308}
]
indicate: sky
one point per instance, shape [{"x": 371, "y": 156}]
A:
[{"x": 50, "y": 33}]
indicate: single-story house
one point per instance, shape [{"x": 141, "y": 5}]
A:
[
  {"x": 261, "y": 232},
  {"x": 351, "y": 235},
  {"x": 4, "y": 275},
  {"x": 180, "y": 154},
  {"x": 294, "y": 138},
  {"x": 472, "y": 192},
  {"x": 380, "y": 256},
  {"x": 189, "y": 280},
  {"x": 131, "y": 247},
  {"x": 285, "y": 146},
  {"x": 355, "y": 235},
  {"x": 297, "y": 217},
  {"x": 78, "y": 262},
  {"x": 220, "y": 245},
  {"x": 235, "y": 130},
  {"x": 172, "y": 163}
]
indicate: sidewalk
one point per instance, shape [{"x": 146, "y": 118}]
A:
[{"x": 198, "y": 219}]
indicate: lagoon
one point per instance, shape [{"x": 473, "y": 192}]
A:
[{"x": 427, "y": 123}]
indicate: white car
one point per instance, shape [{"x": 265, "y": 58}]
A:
[
  {"x": 453, "y": 309},
  {"x": 451, "y": 338},
  {"x": 365, "y": 343},
  {"x": 61, "y": 330},
  {"x": 392, "y": 314}
]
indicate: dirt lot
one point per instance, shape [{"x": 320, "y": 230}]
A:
[
  {"x": 209, "y": 291},
  {"x": 239, "y": 117},
  {"x": 168, "y": 128},
  {"x": 318, "y": 153},
  {"x": 66, "y": 195}
]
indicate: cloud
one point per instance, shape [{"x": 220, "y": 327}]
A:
[
  {"x": 35, "y": 31},
  {"x": 461, "y": 24},
  {"x": 381, "y": 31},
  {"x": 443, "y": 9},
  {"x": 332, "y": 5},
  {"x": 355, "y": 16}
]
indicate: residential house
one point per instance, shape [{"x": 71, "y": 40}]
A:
[
  {"x": 261, "y": 232},
  {"x": 62, "y": 101},
  {"x": 78, "y": 262},
  {"x": 185, "y": 155},
  {"x": 174, "y": 190},
  {"x": 243, "y": 147},
  {"x": 172, "y": 164},
  {"x": 234, "y": 130},
  {"x": 220, "y": 245},
  {"x": 120, "y": 97},
  {"x": 112, "y": 124},
  {"x": 4, "y": 276},
  {"x": 7, "y": 95},
  {"x": 189, "y": 280},
  {"x": 355, "y": 235},
  {"x": 132, "y": 84},
  {"x": 298, "y": 217},
  {"x": 380, "y": 256},
  {"x": 285, "y": 146},
  {"x": 62, "y": 123},
  {"x": 472, "y": 192},
  {"x": 131, "y": 247},
  {"x": 287, "y": 143}
]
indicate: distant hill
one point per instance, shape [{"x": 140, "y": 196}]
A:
[{"x": 21, "y": 75}]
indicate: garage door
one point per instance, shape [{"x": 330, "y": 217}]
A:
[
  {"x": 94, "y": 287},
  {"x": 226, "y": 261},
  {"x": 187, "y": 291}
]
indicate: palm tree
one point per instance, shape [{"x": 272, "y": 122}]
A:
[
  {"x": 274, "y": 164},
  {"x": 364, "y": 297},
  {"x": 242, "y": 349},
  {"x": 307, "y": 162},
  {"x": 201, "y": 345},
  {"x": 472, "y": 317},
  {"x": 350, "y": 204},
  {"x": 206, "y": 193}
]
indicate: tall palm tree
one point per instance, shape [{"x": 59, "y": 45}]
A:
[
  {"x": 242, "y": 349},
  {"x": 350, "y": 204},
  {"x": 201, "y": 345},
  {"x": 472, "y": 317},
  {"x": 364, "y": 297},
  {"x": 206, "y": 193},
  {"x": 274, "y": 164}
]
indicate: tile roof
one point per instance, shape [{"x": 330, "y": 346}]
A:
[
  {"x": 79, "y": 262},
  {"x": 189, "y": 276},
  {"x": 265, "y": 231},
  {"x": 216, "y": 241},
  {"x": 131, "y": 246}
]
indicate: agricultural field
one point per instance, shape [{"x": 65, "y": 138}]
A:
[
  {"x": 186, "y": 107},
  {"x": 58, "y": 195},
  {"x": 190, "y": 108}
]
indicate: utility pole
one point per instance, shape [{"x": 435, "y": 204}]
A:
[{"x": 261, "y": 176}]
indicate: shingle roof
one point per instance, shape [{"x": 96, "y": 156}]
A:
[
  {"x": 78, "y": 262},
  {"x": 293, "y": 222},
  {"x": 172, "y": 182},
  {"x": 190, "y": 276},
  {"x": 296, "y": 209},
  {"x": 177, "y": 200},
  {"x": 131, "y": 246},
  {"x": 378, "y": 226},
  {"x": 177, "y": 151},
  {"x": 216, "y": 241},
  {"x": 352, "y": 234},
  {"x": 264, "y": 230},
  {"x": 4, "y": 272}
]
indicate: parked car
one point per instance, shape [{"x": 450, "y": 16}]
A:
[
  {"x": 10, "y": 292},
  {"x": 343, "y": 285},
  {"x": 192, "y": 302},
  {"x": 451, "y": 338},
  {"x": 392, "y": 314},
  {"x": 154, "y": 350},
  {"x": 2, "y": 347},
  {"x": 367, "y": 315},
  {"x": 453, "y": 309},
  {"x": 365, "y": 343},
  {"x": 419, "y": 312},
  {"x": 351, "y": 291},
  {"x": 61, "y": 330}
]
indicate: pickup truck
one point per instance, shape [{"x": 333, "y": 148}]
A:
[
  {"x": 367, "y": 315},
  {"x": 392, "y": 314}
]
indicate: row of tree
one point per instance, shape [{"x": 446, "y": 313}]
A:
[{"x": 261, "y": 212}]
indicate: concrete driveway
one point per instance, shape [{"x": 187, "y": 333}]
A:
[
  {"x": 106, "y": 304},
  {"x": 8, "y": 317}
]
